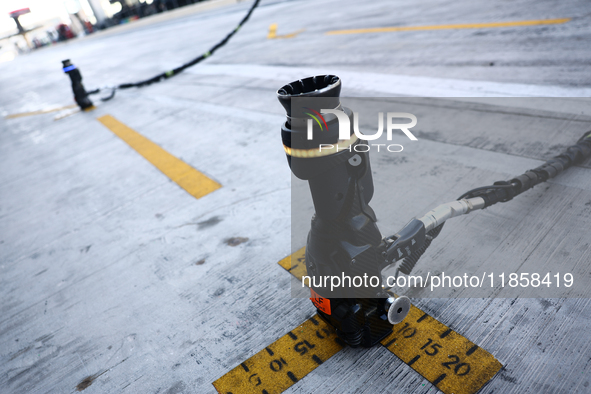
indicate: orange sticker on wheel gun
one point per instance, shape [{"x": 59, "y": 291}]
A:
[{"x": 321, "y": 303}]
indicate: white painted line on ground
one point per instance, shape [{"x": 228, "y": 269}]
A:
[{"x": 406, "y": 85}]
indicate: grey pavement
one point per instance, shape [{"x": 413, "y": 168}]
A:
[{"x": 110, "y": 270}]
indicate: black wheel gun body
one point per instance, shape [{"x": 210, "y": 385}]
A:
[{"x": 344, "y": 240}]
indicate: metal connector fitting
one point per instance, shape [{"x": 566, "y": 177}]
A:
[{"x": 439, "y": 215}]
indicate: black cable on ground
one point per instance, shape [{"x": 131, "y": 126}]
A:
[
  {"x": 171, "y": 73},
  {"x": 504, "y": 191}
]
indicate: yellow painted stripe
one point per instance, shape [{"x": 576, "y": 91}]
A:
[
  {"x": 284, "y": 362},
  {"x": 273, "y": 33},
  {"x": 40, "y": 112},
  {"x": 449, "y": 27},
  {"x": 445, "y": 358},
  {"x": 296, "y": 263},
  {"x": 193, "y": 181},
  {"x": 65, "y": 114}
]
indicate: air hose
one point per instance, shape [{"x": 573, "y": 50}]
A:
[
  {"x": 81, "y": 95},
  {"x": 503, "y": 191},
  {"x": 176, "y": 71}
]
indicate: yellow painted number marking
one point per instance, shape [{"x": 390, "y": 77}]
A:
[
  {"x": 442, "y": 356},
  {"x": 281, "y": 364}
]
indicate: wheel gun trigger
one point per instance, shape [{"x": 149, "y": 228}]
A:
[{"x": 407, "y": 241}]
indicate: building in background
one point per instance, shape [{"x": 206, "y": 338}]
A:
[{"x": 31, "y": 24}]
